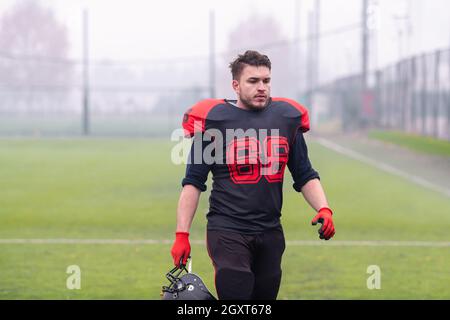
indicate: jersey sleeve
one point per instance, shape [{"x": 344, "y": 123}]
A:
[
  {"x": 197, "y": 169},
  {"x": 194, "y": 120},
  {"x": 299, "y": 164}
]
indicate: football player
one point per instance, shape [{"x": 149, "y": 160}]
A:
[{"x": 245, "y": 238}]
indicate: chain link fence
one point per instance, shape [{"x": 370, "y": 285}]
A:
[{"x": 412, "y": 96}]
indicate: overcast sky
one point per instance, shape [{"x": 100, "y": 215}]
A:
[{"x": 143, "y": 29}]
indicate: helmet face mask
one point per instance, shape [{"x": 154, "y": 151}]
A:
[{"x": 187, "y": 287}]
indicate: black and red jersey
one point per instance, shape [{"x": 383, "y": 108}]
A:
[{"x": 247, "y": 186}]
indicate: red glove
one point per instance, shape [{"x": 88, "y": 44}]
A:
[
  {"x": 181, "y": 249},
  {"x": 325, "y": 218}
]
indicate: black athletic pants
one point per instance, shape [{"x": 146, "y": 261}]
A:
[{"x": 246, "y": 266}]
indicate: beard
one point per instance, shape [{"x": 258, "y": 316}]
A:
[{"x": 249, "y": 105}]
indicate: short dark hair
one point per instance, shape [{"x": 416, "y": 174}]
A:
[{"x": 250, "y": 57}]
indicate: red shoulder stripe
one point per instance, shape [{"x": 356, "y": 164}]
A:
[
  {"x": 194, "y": 118},
  {"x": 304, "y": 122}
]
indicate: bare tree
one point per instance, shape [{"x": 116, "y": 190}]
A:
[{"x": 33, "y": 57}]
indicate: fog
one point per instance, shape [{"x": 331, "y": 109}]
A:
[{"x": 147, "y": 55}]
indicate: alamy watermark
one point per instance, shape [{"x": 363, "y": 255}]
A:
[
  {"x": 250, "y": 149},
  {"x": 73, "y": 282},
  {"x": 374, "y": 280}
]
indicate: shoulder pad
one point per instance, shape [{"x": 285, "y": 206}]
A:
[
  {"x": 194, "y": 118},
  {"x": 304, "y": 119}
]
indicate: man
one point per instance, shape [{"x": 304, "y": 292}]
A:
[{"x": 244, "y": 236}]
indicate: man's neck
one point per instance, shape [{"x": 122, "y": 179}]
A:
[
  {"x": 241, "y": 105},
  {"x": 238, "y": 104}
]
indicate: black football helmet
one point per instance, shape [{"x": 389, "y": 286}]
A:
[{"x": 187, "y": 287}]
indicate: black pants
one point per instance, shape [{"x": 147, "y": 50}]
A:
[{"x": 246, "y": 266}]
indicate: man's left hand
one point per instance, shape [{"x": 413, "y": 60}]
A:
[{"x": 324, "y": 216}]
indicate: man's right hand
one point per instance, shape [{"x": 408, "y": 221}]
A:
[{"x": 181, "y": 249}]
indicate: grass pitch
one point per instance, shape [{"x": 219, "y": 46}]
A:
[
  {"x": 128, "y": 189},
  {"x": 417, "y": 143}
]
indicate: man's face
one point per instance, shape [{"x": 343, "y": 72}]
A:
[{"x": 253, "y": 87}]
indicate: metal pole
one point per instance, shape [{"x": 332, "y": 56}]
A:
[
  {"x": 448, "y": 99},
  {"x": 436, "y": 92},
  {"x": 317, "y": 44},
  {"x": 212, "y": 62},
  {"x": 297, "y": 74},
  {"x": 86, "y": 124},
  {"x": 310, "y": 58},
  {"x": 365, "y": 45},
  {"x": 423, "y": 106},
  {"x": 413, "y": 94}
]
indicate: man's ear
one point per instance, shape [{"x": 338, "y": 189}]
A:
[{"x": 235, "y": 85}]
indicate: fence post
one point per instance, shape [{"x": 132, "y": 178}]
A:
[
  {"x": 436, "y": 92},
  {"x": 377, "y": 100},
  {"x": 413, "y": 94},
  {"x": 423, "y": 99},
  {"x": 448, "y": 96}
]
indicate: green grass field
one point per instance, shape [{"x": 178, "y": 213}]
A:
[
  {"x": 128, "y": 189},
  {"x": 416, "y": 143}
]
